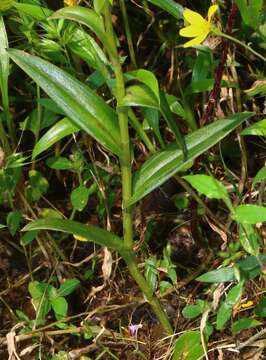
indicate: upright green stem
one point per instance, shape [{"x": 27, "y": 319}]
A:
[
  {"x": 122, "y": 113},
  {"x": 231, "y": 38},
  {"x": 128, "y": 33},
  {"x": 125, "y": 163}
]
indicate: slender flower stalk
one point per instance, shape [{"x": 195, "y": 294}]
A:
[{"x": 247, "y": 47}]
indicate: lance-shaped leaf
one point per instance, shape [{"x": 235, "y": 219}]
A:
[
  {"x": 164, "y": 164},
  {"x": 4, "y": 58},
  {"x": 57, "y": 132},
  {"x": 87, "y": 17},
  {"x": 82, "y": 231},
  {"x": 84, "y": 108}
]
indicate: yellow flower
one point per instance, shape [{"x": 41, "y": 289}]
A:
[{"x": 199, "y": 28}]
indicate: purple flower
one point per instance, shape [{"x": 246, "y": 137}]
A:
[{"x": 133, "y": 329}]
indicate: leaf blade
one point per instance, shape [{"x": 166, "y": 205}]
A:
[
  {"x": 87, "y": 232},
  {"x": 86, "y": 109},
  {"x": 164, "y": 164}
]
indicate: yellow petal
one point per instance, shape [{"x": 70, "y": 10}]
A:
[
  {"x": 197, "y": 41},
  {"x": 211, "y": 11},
  {"x": 193, "y": 17},
  {"x": 191, "y": 31}
]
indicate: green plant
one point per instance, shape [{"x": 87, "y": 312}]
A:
[
  {"x": 46, "y": 297},
  {"x": 90, "y": 113},
  {"x": 107, "y": 133}
]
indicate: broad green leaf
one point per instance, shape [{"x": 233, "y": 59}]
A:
[
  {"x": 218, "y": 276},
  {"x": 207, "y": 185},
  {"x": 193, "y": 311},
  {"x": 170, "y": 6},
  {"x": 243, "y": 324},
  {"x": 258, "y": 129},
  {"x": 57, "y": 132},
  {"x": 223, "y": 315},
  {"x": 35, "y": 11},
  {"x": 260, "y": 176},
  {"x": 68, "y": 287},
  {"x": 60, "y": 306},
  {"x": 250, "y": 214},
  {"x": 188, "y": 346},
  {"x": 85, "y": 16},
  {"x": 86, "y": 109},
  {"x": 86, "y": 232},
  {"x": 80, "y": 197},
  {"x": 167, "y": 162},
  {"x": 249, "y": 239}
]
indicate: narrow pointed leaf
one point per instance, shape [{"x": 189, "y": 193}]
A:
[
  {"x": 4, "y": 58},
  {"x": 86, "y": 232},
  {"x": 57, "y": 132},
  {"x": 164, "y": 164},
  {"x": 86, "y": 109}
]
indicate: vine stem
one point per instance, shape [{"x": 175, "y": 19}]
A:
[
  {"x": 126, "y": 174},
  {"x": 247, "y": 47}
]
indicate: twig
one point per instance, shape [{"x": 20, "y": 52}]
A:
[{"x": 251, "y": 340}]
